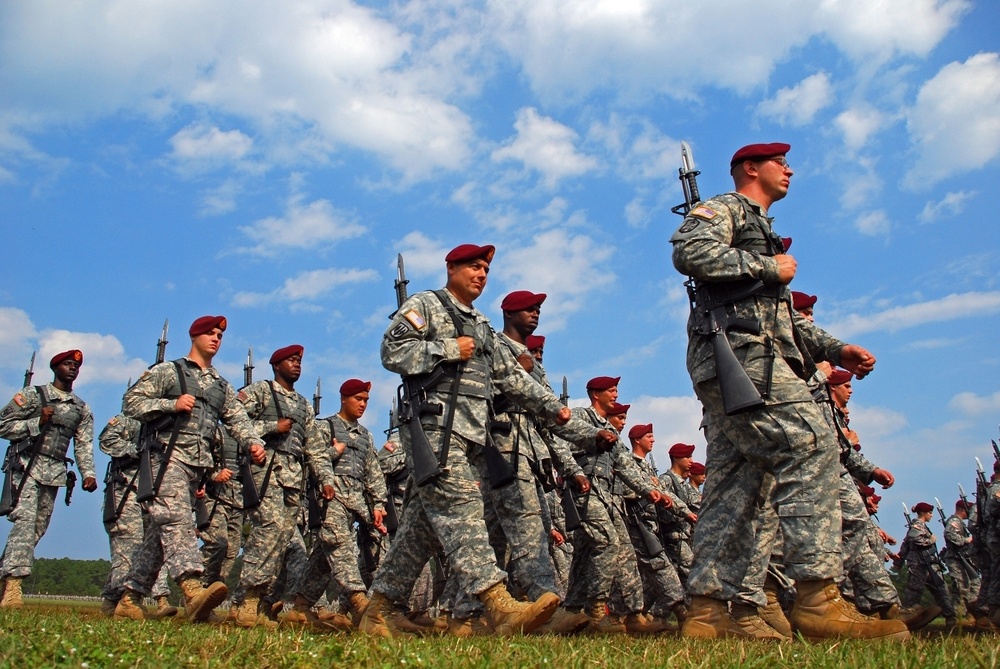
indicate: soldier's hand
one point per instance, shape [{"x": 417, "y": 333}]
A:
[
  {"x": 825, "y": 367},
  {"x": 284, "y": 425},
  {"x": 45, "y": 415},
  {"x": 328, "y": 493},
  {"x": 692, "y": 518},
  {"x": 257, "y": 454},
  {"x": 200, "y": 493},
  {"x": 557, "y": 537},
  {"x": 338, "y": 446},
  {"x": 378, "y": 516},
  {"x": 581, "y": 483},
  {"x": 605, "y": 439},
  {"x": 563, "y": 416},
  {"x": 657, "y": 497},
  {"x": 786, "y": 267},
  {"x": 527, "y": 361},
  {"x": 223, "y": 476},
  {"x": 466, "y": 347},
  {"x": 184, "y": 404},
  {"x": 857, "y": 360},
  {"x": 884, "y": 478},
  {"x": 89, "y": 484}
]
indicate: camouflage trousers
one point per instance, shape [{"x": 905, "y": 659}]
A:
[
  {"x": 661, "y": 586},
  {"x": 793, "y": 443},
  {"x": 372, "y": 546},
  {"x": 991, "y": 584},
  {"x": 31, "y": 518},
  {"x": 125, "y": 535},
  {"x": 271, "y": 526},
  {"x": 595, "y": 550},
  {"x": 169, "y": 540},
  {"x": 292, "y": 572},
  {"x": 333, "y": 556},
  {"x": 964, "y": 586},
  {"x": 515, "y": 508},
  {"x": 429, "y": 590},
  {"x": 923, "y": 576},
  {"x": 446, "y": 513},
  {"x": 872, "y": 587},
  {"x": 767, "y": 531},
  {"x": 221, "y": 541}
]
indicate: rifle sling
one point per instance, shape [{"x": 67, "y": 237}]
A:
[
  {"x": 174, "y": 433},
  {"x": 449, "y": 422},
  {"x": 128, "y": 491},
  {"x": 34, "y": 449},
  {"x": 270, "y": 461}
]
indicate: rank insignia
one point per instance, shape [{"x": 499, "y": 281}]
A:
[{"x": 415, "y": 319}]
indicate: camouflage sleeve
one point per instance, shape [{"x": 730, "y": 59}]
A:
[
  {"x": 120, "y": 437},
  {"x": 374, "y": 479},
  {"x": 859, "y": 466},
  {"x": 629, "y": 472},
  {"x": 954, "y": 532},
  {"x": 255, "y": 398},
  {"x": 146, "y": 400},
  {"x": 678, "y": 506},
  {"x": 510, "y": 377},
  {"x": 237, "y": 422},
  {"x": 83, "y": 444},
  {"x": 562, "y": 457},
  {"x": 318, "y": 452},
  {"x": 408, "y": 347},
  {"x": 19, "y": 419},
  {"x": 920, "y": 536},
  {"x": 820, "y": 344},
  {"x": 703, "y": 247}
]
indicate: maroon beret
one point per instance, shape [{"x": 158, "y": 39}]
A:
[
  {"x": 470, "y": 252},
  {"x": 640, "y": 431},
  {"x": 802, "y": 301},
  {"x": 786, "y": 243},
  {"x": 72, "y": 354},
  {"x": 681, "y": 451},
  {"x": 697, "y": 469},
  {"x": 839, "y": 377},
  {"x": 966, "y": 504},
  {"x": 354, "y": 386},
  {"x": 603, "y": 382},
  {"x": 759, "y": 152},
  {"x": 922, "y": 507},
  {"x": 521, "y": 299},
  {"x": 875, "y": 499},
  {"x": 619, "y": 409},
  {"x": 533, "y": 342},
  {"x": 207, "y": 324},
  {"x": 286, "y": 352}
]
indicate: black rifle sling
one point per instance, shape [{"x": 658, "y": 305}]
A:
[
  {"x": 270, "y": 461},
  {"x": 516, "y": 450},
  {"x": 174, "y": 433},
  {"x": 449, "y": 422},
  {"x": 44, "y": 401},
  {"x": 128, "y": 491}
]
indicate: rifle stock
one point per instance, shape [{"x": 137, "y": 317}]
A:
[
  {"x": 7, "y": 498},
  {"x": 251, "y": 496},
  {"x": 500, "y": 472},
  {"x": 569, "y": 508},
  {"x": 110, "y": 503}
]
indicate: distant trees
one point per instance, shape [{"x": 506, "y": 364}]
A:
[{"x": 63, "y": 576}]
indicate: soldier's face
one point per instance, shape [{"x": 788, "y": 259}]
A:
[
  {"x": 353, "y": 406},
  {"x": 290, "y": 368},
  {"x": 526, "y": 320},
  {"x": 774, "y": 176},
  {"x": 208, "y": 344},
  {"x": 842, "y": 394},
  {"x": 644, "y": 444},
  {"x": 697, "y": 480},
  {"x": 467, "y": 280},
  {"x": 618, "y": 421},
  {"x": 67, "y": 370},
  {"x": 683, "y": 465},
  {"x": 605, "y": 399},
  {"x": 538, "y": 353}
]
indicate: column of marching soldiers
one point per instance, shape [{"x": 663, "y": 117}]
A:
[{"x": 491, "y": 509}]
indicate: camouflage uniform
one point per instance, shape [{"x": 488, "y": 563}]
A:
[
  {"x": 359, "y": 489},
  {"x": 562, "y": 555},
  {"x": 676, "y": 529},
  {"x": 19, "y": 423},
  {"x": 448, "y": 511},
  {"x": 171, "y": 540},
  {"x": 991, "y": 522},
  {"x": 120, "y": 440},
  {"x": 920, "y": 551},
  {"x": 223, "y": 538},
  {"x": 603, "y": 556},
  {"x": 959, "y": 560},
  {"x": 725, "y": 243},
  {"x": 279, "y": 478}
]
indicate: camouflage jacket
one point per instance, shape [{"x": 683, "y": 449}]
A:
[
  {"x": 287, "y": 450},
  {"x": 355, "y": 474}
]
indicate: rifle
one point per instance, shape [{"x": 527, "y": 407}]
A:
[
  {"x": 251, "y": 496},
  {"x": 12, "y": 464},
  {"x": 144, "y": 488},
  {"x": 202, "y": 515},
  {"x": 30, "y": 372},
  {"x": 654, "y": 547},
  {"x": 70, "y": 484},
  {"x": 413, "y": 404},
  {"x": 317, "y": 397},
  {"x": 738, "y": 392},
  {"x": 924, "y": 554},
  {"x": 996, "y": 450},
  {"x": 963, "y": 560},
  {"x": 568, "y": 501}
]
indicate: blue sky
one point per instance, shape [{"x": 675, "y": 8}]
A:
[{"x": 268, "y": 160}]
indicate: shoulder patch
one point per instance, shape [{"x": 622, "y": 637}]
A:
[
  {"x": 113, "y": 421},
  {"x": 415, "y": 319},
  {"x": 19, "y": 400},
  {"x": 241, "y": 396},
  {"x": 690, "y": 225},
  {"x": 391, "y": 447},
  {"x": 704, "y": 212},
  {"x": 400, "y": 330}
]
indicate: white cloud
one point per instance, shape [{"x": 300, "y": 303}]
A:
[
  {"x": 797, "y": 105},
  {"x": 971, "y": 404},
  {"x": 858, "y": 124},
  {"x": 874, "y": 423},
  {"x": 893, "y": 319},
  {"x": 952, "y": 204},
  {"x": 674, "y": 419},
  {"x": 199, "y": 142},
  {"x": 861, "y": 185},
  {"x": 312, "y": 225},
  {"x": 221, "y": 199},
  {"x": 546, "y": 146},
  {"x": 642, "y": 152},
  {"x": 873, "y": 223},
  {"x": 955, "y": 123},
  {"x": 104, "y": 359},
  {"x": 423, "y": 256},
  {"x": 305, "y": 286}
]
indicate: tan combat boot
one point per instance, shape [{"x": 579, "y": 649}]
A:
[
  {"x": 602, "y": 622},
  {"x": 821, "y": 613},
  {"x": 248, "y": 613},
  {"x": 382, "y": 619},
  {"x": 708, "y": 619},
  {"x": 324, "y": 621},
  {"x": 774, "y": 615},
  {"x": 199, "y": 602},
  {"x": 914, "y": 617},
  {"x": 108, "y": 607},
  {"x": 12, "y": 593},
  {"x": 423, "y": 620},
  {"x": 130, "y": 606},
  {"x": 747, "y": 618},
  {"x": 357, "y": 602},
  {"x": 636, "y": 623},
  {"x": 565, "y": 622},
  {"x": 163, "y": 608},
  {"x": 468, "y": 627},
  {"x": 507, "y": 616}
]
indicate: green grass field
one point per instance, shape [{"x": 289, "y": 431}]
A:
[{"x": 50, "y": 634}]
